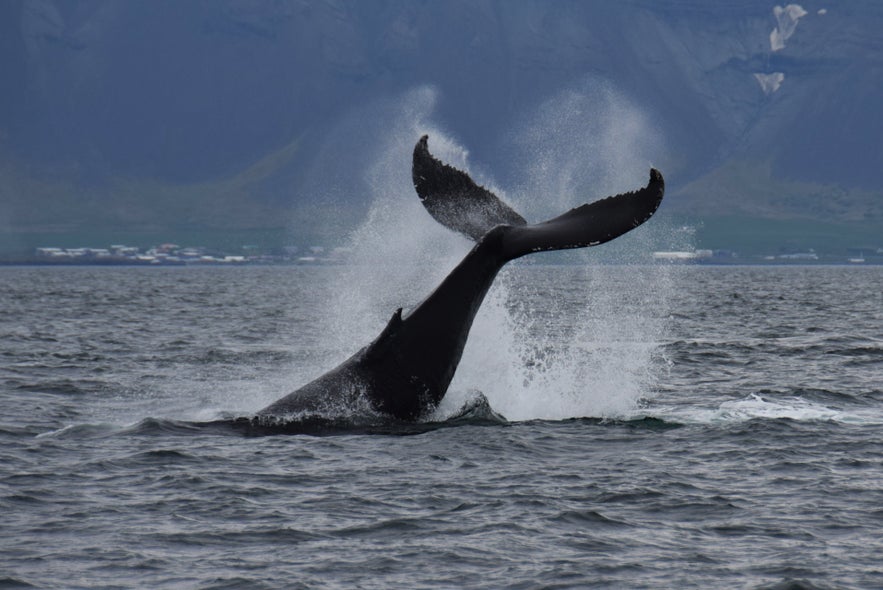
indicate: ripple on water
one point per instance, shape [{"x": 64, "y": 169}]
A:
[{"x": 751, "y": 461}]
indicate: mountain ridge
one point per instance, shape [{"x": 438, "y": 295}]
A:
[{"x": 765, "y": 110}]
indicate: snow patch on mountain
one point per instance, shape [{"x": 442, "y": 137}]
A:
[
  {"x": 786, "y": 24},
  {"x": 769, "y": 83},
  {"x": 787, "y": 18}
]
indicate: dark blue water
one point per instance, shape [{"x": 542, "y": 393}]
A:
[{"x": 664, "y": 428}]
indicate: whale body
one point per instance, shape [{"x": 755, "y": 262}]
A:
[{"x": 407, "y": 369}]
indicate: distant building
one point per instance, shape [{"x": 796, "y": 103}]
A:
[{"x": 811, "y": 255}]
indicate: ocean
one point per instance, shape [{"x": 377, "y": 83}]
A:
[{"x": 611, "y": 426}]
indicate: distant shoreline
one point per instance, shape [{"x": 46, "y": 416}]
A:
[
  {"x": 177, "y": 264},
  {"x": 320, "y": 262}
]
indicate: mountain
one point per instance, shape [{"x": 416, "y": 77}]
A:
[{"x": 164, "y": 116}]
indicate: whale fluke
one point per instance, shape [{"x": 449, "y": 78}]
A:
[
  {"x": 458, "y": 203},
  {"x": 590, "y": 224},
  {"x": 454, "y": 200}
]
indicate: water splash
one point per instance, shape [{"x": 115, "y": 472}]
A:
[
  {"x": 568, "y": 341},
  {"x": 582, "y": 144},
  {"x": 582, "y": 341},
  {"x": 549, "y": 342},
  {"x": 398, "y": 254}
]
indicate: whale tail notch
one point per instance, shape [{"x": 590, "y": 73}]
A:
[{"x": 455, "y": 201}]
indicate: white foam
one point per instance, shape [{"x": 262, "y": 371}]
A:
[{"x": 757, "y": 406}]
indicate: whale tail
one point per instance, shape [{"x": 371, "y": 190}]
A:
[{"x": 455, "y": 201}]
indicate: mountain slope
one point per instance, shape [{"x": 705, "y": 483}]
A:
[{"x": 143, "y": 113}]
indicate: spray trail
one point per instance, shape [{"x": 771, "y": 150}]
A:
[
  {"x": 398, "y": 254},
  {"x": 550, "y": 342},
  {"x": 581, "y": 340}
]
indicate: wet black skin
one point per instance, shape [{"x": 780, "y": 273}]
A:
[{"x": 408, "y": 368}]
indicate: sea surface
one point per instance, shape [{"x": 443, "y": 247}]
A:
[{"x": 610, "y": 427}]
